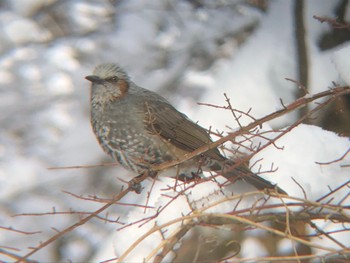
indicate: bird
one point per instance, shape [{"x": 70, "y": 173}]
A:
[{"x": 140, "y": 129}]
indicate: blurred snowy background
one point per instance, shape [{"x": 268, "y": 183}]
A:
[{"x": 188, "y": 51}]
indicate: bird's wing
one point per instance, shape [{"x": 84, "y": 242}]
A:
[{"x": 164, "y": 120}]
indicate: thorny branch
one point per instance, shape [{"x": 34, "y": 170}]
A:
[
  {"x": 83, "y": 220},
  {"x": 301, "y": 102},
  {"x": 244, "y": 218}
]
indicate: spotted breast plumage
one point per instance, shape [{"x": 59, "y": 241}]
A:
[{"x": 140, "y": 129}]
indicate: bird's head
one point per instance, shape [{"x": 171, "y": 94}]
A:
[{"x": 109, "y": 81}]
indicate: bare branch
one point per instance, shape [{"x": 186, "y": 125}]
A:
[
  {"x": 336, "y": 160},
  {"x": 332, "y": 22},
  {"x": 84, "y": 220}
]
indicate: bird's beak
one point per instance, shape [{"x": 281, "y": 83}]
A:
[{"x": 94, "y": 79}]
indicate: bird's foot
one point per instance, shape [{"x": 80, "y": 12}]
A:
[
  {"x": 135, "y": 185},
  {"x": 188, "y": 179}
]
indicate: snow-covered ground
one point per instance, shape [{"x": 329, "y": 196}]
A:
[{"x": 188, "y": 55}]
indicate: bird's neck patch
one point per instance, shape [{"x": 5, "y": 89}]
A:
[{"x": 123, "y": 87}]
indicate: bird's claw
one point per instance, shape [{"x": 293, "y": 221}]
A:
[{"x": 135, "y": 186}]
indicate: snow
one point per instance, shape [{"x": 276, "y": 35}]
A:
[
  {"x": 342, "y": 63},
  {"x": 312, "y": 145},
  {"x": 60, "y": 83},
  {"x": 171, "y": 48},
  {"x": 303, "y": 149},
  {"x": 15, "y": 26}
]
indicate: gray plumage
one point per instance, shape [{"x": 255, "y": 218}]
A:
[{"x": 139, "y": 128}]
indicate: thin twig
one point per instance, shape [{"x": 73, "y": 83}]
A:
[{"x": 83, "y": 220}]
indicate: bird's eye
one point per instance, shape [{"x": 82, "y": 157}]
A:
[{"x": 113, "y": 79}]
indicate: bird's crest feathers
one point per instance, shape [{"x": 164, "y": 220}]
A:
[{"x": 110, "y": 70}]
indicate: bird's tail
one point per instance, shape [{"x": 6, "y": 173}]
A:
[{"x": 242, "y": 172}]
